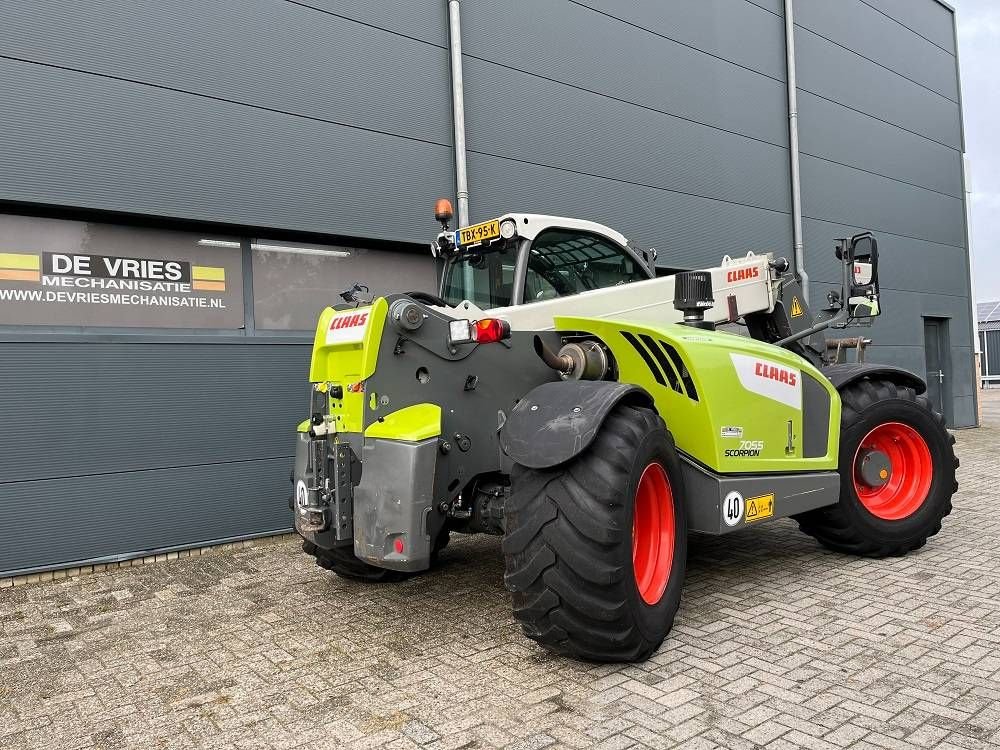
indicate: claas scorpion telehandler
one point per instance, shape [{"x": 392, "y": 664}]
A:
[{"x": 557, "y": 393}]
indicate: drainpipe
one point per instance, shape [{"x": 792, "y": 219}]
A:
[
  {"x": 458, "y": 118},
  {"x": 799, "y": 261},
  {"x": 458, "y": 112}
]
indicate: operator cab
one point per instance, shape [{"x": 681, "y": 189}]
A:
[{"x": 524, "y": 258}]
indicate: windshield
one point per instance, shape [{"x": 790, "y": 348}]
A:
[
  {"x": 485, "y": 279},
  {"x": 561, "y": 262}
]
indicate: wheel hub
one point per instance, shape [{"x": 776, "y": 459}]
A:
[
  {"x": 874, "y": 468},
  {"x": 893, "y": 471}
]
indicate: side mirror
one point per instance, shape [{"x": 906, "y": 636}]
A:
[{"x": 864, "y": 292}]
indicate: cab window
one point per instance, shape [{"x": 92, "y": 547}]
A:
[
  {"x": 486, "y": 279},
  {"x": 563, "y": 262}
]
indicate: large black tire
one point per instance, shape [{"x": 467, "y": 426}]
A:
[
  {"x": 850, "y": 526},
  {"x": 568, "y": 549},
  {"x": 343, "y": 562}
]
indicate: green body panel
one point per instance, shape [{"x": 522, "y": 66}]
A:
[
  {"x": 412, "y": 424},
  {"x": 746, "y": 394},
  {"x": 346, "y": 356}
]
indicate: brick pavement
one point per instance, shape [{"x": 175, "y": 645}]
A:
[{"x": 778, "y": 644}]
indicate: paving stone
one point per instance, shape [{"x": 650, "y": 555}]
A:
[{"x": 778, "y": 643}]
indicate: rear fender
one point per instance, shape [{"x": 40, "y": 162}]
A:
[
  {"x": 845, "y": 375},
  {"x": 556, "y": 421}
]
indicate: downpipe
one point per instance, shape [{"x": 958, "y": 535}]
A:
[
  {"x": 458, "y": 119},
  {"x": 793, "y": 152}
]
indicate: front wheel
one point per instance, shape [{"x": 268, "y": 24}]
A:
[
  {"x": 596, "y": 548},
  {"x": 897, "y": 474}
]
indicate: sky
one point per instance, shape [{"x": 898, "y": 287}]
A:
[{"x": 979, "y": 54}]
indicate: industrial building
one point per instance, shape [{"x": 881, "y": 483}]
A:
[
  {"x": 988, "y": 324},
  {"x": 184, "y": 185}
]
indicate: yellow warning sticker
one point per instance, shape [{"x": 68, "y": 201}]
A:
[
  {"x": 759, "y": 508},
  {"x": 797, "y": 309}
]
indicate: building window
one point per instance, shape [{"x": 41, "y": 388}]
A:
[
  {"x": 73, "y": 273},
  {"x": 293, "y": 282}
]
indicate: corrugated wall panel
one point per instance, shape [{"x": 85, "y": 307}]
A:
[
  {"x": 262, "y": 53},
  {"x": 62, "y": 521},
  {"x": 993, "y": 346},
  {"x": 905, "y": 264},
  {"x": 928, "y": 18},
  {"x": 143, "y": 149},
  {"x": 831, "y": 131},
  {"x": 687, "y": 231},
  {"x": 869, "y": 33},
  {"x": 718, "y": 27},
  {"x": 426, "y": 19},
  {"x": 96, "y": 408},
  {"x": 584, "y": 132},
  {"x": 831, "y": 71},
  {"x": 832, "y": 192},
  {"x": 580, "y": 47},
  {"x": 902, "y": 323}
]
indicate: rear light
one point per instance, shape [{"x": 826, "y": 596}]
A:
[
  {"x": 491, "y": 330},
  {"x": 485, "y": 331}
]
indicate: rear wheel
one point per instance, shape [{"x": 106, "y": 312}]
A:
[
  {"x": 897, "y": 474},
  {"x": 596, "y": 548}
]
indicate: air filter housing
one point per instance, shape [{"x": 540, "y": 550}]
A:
[{"x": 692, "y": 296}]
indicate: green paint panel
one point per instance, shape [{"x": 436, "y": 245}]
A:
[
  {"x": 727, "y": 399},
  {"x": 345, "y": 353},
  {"x": 413, "y": 424}
]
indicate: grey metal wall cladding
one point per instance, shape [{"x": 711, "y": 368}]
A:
[
  {"x": 963, "y": 409},
  {"x": 74, "y": 409},
  {"x": 865, "y": 30},
  {"x": 831, "y": 71},
  {"x": 902, "y": 323},
  {"x": 146, "y": 150},
  {"x": 719, "y": 27},
  {"x": 833, "y": 132},
  {"x": 426, "y": 19},
  {"x": 905, "y": 264},
  {"x": 835, "y": 193},
  {"x": 575, "y": 45},
  {"x": 913, "y": 359},
  {"x": 585, "y": 132},
  {"x": 56, "y": 521},
  {"x": 264, "y": 53},
  {"x": 687, "y": 231},
  {"x": 928, "y": 18},
  {"x": 991, "y": 349}
]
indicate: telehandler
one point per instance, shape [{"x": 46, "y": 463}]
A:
[{"x": 557, "y": 393}]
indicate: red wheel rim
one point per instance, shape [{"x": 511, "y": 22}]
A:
[
  {"x": 911, "y": 472},
  {"x": 653, "y": 533}
]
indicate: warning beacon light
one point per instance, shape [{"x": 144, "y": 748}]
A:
[{"x": 443, "y": 211}]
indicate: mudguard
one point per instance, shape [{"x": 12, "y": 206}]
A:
[
  {"x": 557, "y": 421},
  {"x": 844, "y": 375}
]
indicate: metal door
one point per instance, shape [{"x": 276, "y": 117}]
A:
[{"x": 936, "y": 353}]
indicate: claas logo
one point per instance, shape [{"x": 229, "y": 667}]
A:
[
  {"x": 348, "y": 321},
  {"x": 742, "y": 274},
  {"x": 773, "y": 372}
]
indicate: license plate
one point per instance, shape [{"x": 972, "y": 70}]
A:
[{"x": 488, "y": 230}]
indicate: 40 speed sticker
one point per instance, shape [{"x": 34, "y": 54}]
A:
[{"x": 732, "y": 509}]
